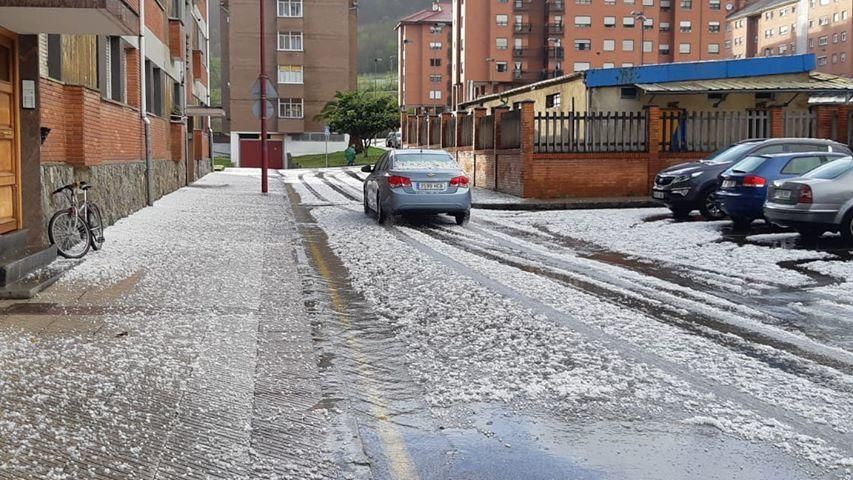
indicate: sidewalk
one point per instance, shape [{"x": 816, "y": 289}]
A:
[
  {"x": 492, "y": 200},
  {"x": 180, "y": 350}
]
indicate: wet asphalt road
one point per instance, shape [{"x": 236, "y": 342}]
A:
[{"x": 384, "y": 427}]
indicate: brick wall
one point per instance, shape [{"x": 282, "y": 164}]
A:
[
  {"x": 155, "y": 20},
  {"x": 161, "y": 143}
]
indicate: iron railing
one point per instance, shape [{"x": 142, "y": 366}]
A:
[
  {"x": 709, "y": 131},
  {"x": 576, "y": 132},
  {"x": 510, "y": 129}
]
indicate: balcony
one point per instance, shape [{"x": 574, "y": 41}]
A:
[
  {"x": 523, "y": 76},
  {"x": 522, "y": 5},
  {"x": 555, "y": 28},
  {"x": 522, "y": 28},
  {"x": 556, "y": 53},
  {"x": 556, "y": 6},
  {"x": 524, "y": 52},
  {"x": 79, "y": 17},
  {"x": 556, "y": 73}
]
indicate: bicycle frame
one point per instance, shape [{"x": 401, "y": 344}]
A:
[{"x": 77, "y": 209}]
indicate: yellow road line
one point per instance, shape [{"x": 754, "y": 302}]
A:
[{"x": 400, "y": 463}]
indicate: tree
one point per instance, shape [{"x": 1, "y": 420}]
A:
[{"x": 362, "y": 115}]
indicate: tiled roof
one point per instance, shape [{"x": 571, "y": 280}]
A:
[
  {"x": 815, "y": 82},
  {"x": 445, "y": 15}
]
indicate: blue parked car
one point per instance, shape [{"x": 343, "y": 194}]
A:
[{"x": 743, "y": 190}]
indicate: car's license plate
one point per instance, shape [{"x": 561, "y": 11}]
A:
[
  {"x": 658, "y": 195},
  {"x": 729, "y": 184},
  {"x": 782, "y": 194},
  {"x": 431, "y": 186}
]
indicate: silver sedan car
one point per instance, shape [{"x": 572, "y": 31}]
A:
[
  {"x": 819, "y": 201},
  {"x": 416, "y": 181}
]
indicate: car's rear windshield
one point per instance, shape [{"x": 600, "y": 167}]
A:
[
  {"x": 832, "y": 169},
  {"x": 730, "y": 153},
  {"x": 423, "y": 161},
  {"x": 749, "y": 164}
]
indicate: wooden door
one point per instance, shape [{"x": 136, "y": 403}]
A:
[{"x": 10, "y": 210}]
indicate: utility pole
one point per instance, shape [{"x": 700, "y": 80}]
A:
[
  {"x": 263, "y": 78},
  {"x": 375, "y": 73},
  {"x": 641, "y": 17}
]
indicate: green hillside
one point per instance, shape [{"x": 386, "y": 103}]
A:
[{"x": 376, "y": 35}]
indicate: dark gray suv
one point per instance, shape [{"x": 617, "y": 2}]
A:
[{"x": 691, "y": 186}]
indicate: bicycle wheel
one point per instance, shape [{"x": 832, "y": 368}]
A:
[
  {"x": 70, "y": 234},
  {"x": 96, "y": 226}
]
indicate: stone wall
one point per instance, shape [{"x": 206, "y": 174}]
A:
[{"x": 117, "y": 188}]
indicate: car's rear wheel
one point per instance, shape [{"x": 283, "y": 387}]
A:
[
  {"x": 847, "y": 227},
  {"x": 709, "y": 208},
  {"x": 741, "y": 223},
  {"x": 462, "y": 217},
  {"x": 681, "y": 213},
  {"x": 381, "y": 216}
]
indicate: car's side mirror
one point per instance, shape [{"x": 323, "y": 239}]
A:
[{"x": 367, "y": 169}]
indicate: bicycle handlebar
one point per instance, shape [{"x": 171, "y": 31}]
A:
[{"x": 72, "y": 186}]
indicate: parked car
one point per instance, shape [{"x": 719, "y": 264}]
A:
[
  {"x": 692, "y": 186},
  {"x": 394, "y": 140},
  {"x": 820, "y": 201},
  {"x": 743, "y": 191},
  {"x": 416, "y": 181}
]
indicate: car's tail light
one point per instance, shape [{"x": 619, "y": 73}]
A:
[
  {"x": 396, "y": 181},
  {"x": 460, "y": 181},
  {"x": 754, "y": 181},
  {"x": 806, "y": 195}
]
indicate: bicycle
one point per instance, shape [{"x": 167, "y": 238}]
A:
[{"x": 79, "y": 227}]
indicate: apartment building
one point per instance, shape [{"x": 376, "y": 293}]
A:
[
  {"x": 500, "y": 44},
  {"x": 424, "y": 41},
  {"x": 311, "y": 52},
  {"x": 785, "y": 27},
  {"x": 107, "y": 92}
]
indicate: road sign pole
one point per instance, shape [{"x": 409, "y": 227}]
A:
[
  {"x": 326, "y": 133},
  {"x": 263, "y": 81}
]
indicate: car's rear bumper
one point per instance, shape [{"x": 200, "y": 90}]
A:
[
  {"x": 798, "y": 217},
  {"x": 738, "y": 204},
  {"x": 403, "y": 202}
]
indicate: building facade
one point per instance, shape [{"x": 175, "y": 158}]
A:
[
  {"x": 785, "y": 27},
  {"x": 501, "y": 44},
  {"x": 108, "y": 92},
  {"x": 424, "y": 41},
  {"x": 311, "y": 52}
]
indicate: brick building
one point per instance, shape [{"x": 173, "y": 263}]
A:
[
  {"x": 311, "y": 53},
  {"x": 109, "y": 92},
  {"x": 424, "y": 42},
  {"x": 500, "y": 44},
  {"x": 785, "y": 27}
]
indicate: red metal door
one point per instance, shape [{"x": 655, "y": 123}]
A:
[{"x": 250, "y": 154}]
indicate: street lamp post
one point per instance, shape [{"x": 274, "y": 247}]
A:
[
  {"x": 375, "y": 73},
  {"x": 489, "y": 62},
  {"x": 641, "y": 17}
]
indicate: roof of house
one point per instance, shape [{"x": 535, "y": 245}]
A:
[
  {"x": 525, "y": 88},
  {"x": 443, "y": 15},
  {"x": 816, "y": 82},
  {"x": 704, "y": 70},
  {"x": 758, "y": 7}
]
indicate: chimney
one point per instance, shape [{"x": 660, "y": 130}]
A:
[{"x": 436, "y": 7}]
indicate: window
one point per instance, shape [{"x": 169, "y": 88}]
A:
[
  {"x": 834, "y": 17},
  {"x": 727, "y": 44},
  {"x": 683, "y": 48},
  {"x": 610, "y": 2},
  {"x": 290, "y": 74},
  {"x": 685, "y": 26},
  {"x": 153, "y": 89},
  {"x": 649, "y": 23},
  {"x": 609, "y": 45},
  {"x": 714, "y": 48},
  {"x": 289, "y": 8},
  {"x": 628, "y": 22},
  {"x": 627, "y": 45},
  {"x": 609, "y": 22},
  {"x": 581, "y": 66},
  {"x": 714, "y": 4},
  {"x": 435, "y": 94},
  {"x": 583, "y": 44},
  {"x": 768, "y": 15},
  {"x": 664, "y": 26},
  {"x": 784, "y": 30},
  {"x": 435, "y": 45},
  {"x": 687, "y": 4},
  {"x": 435, "y": 78},
  {"x": 834, "y": 38},
  {"x": 583, "y": 21},
  {"x": 501, "y": 43},
  {"x": 627, "y": 93},
  {"x": 648, "y": 3},
  {"x": 648, "y": 46},
  {"x": 502, "y": 20},
  {"x": 627, "y": 64},
  {"x": 665, "y": 4},
  {"x": 290, "y": 108},
  {"x": 113, "y": 87},
  {"x": 501, "y": 67},
  {"x": 783, "y": 49},
  {"x": 823, "y": 21},
  {"x": 663, "y": 49},
  {"x": 783, "y": 12},
  {"x": 843, "y": 36},
  {"x": 608, "y": 65},
  {"x": 54, "y": 56},
  {"x": 823, "y": 40},
  {"x": 553, "y": 101},
  {"x": 843, "y": 57},
  {"x": 290, "y": 41},
  {"x": 434, "y": 62},
  {"x": 713, "y": 27},
  {"x": 583, "y": 2},
  {"x": 801, "y": 165},
  {"x": 821, "y": 60},
  {"x": 811, "y": 43}
]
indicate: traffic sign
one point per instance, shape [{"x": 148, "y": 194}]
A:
[
  {"x": 256, "y": 90},
  {"x": 256, "y": 110}
]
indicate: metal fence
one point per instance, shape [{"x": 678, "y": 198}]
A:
[
  {"x": 710, "y": 131},
  {"x": 434, "y": 130},
  {"x": 511, "y": 129},
  {"x": 411, "y": 131},
  {"x": 449, "y": 139},
  {"x": 423, "y": 131},
  {"x": 800, "y": 124},
  {"x": 591, "y": 132},
  {"x": 467, "y": 137},
  {"x": 486, "y": 132}
]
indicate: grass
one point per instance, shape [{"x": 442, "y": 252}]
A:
[
  {"x": 381, "y": 82},
  {"x": 336, "y": 159},
  {"x": 220, "y": 163}
]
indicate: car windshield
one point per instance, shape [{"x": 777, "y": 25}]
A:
[
  {"x": 748, "y": 165},
  {"x": 832, "y": 169},
  {"x": 423, "y": 161},
  {"x": 729, "y": 154}
]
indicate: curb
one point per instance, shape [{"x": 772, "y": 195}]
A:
[{"x": 537, "y": 207}]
